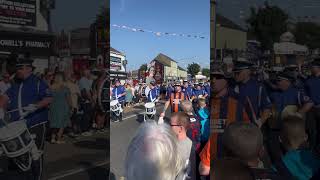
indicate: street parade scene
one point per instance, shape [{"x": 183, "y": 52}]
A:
[
  {"x": 254, "y": 117},
  {"x": 53, "y": 122},
  {"x": 159, "y": 88}
]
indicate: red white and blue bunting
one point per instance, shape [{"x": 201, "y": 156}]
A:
[{"x": 157, "y": 33}]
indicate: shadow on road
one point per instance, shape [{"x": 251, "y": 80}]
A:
[
  {"x": 95, "y": 173},
  {"x": 99, "y": 143}
]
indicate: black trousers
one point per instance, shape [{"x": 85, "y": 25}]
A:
[{"x": 35, "y": 173}]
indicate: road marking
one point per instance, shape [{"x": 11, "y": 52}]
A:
[
  {"x": 134, "y": 115},
  {"x": 75, "y": 171}
]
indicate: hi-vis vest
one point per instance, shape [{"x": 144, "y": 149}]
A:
[{"x": 175, "y": 100}]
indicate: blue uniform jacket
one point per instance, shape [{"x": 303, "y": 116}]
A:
[
  {"x": 33, "y": 90},
  {"x": 117, "y": 91},
  {"x": 257, "y": 95},
  {"x": 153, "y": 95},
  {"x": 312, "y": 87}
]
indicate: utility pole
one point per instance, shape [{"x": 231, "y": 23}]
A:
[{"x": 213, "y": 26}]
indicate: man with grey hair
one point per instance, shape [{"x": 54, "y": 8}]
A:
[{"x": 153, "y": 154}]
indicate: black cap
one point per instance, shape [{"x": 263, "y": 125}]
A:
[
  {"x": 242, "y": 65},
  {"x": 24, "y": 62},
  {"x": 315, "y": 63},
  {"x": 153, "y": 83},
  {"x": 285, "y": 76}
]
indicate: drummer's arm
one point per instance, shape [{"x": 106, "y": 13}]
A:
[{"x": 45, "y": 102}]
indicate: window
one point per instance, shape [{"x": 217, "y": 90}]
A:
[{"x": 115, "y": 59}]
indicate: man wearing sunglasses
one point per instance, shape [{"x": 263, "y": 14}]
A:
[
  {"x": 30, "y": 97},
  {"x": 251, "y": 94},
  {"x": 225, "y": 109},
  {"x": 288, "y": 95}
]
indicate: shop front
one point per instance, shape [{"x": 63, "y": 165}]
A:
[{"x": 14, "y": 43}]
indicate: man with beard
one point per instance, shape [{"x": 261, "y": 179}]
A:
[{"x": 29, "y": 98}]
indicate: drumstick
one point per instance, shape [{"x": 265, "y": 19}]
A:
[{"x": 252, "y": 111}]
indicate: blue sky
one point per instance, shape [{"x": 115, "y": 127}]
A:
[{"x": 172, "y": 16}]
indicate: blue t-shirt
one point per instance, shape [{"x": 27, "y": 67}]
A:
[
  {"x": 302, "y": 164},
  {"x": 33, "y": 90}
]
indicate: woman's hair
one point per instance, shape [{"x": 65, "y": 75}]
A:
[
  {"x": 153, "y": 154},
  {"x": 59, "y": 81}
]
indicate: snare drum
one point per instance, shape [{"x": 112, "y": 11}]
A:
[
  {"x": 116, "y": 107},
  {"x": 15, "y": 139},
  {"x": 150, "y": 111}
]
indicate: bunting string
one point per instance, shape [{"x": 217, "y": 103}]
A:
[{"x": 157, "y": 33}]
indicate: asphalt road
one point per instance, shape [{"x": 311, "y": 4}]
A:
[
  {"x": 85, "y": 158},
  {"x": 120, "y": 137}
]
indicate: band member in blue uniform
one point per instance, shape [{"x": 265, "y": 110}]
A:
[
  {"x": 119, "y": 92},
  {"x": 187, "y": 89},
  {"x": 153, "y": 95},
  {"x": 287, "y": 95},
  {"x": 312, "y": 87},
  {"x": 199, "y": 91},
  {"x": 30, "y": 96},
  {"x": 251, "y": 94}
]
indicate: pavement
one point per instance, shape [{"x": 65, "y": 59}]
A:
[{"x": 120, "y": 136}]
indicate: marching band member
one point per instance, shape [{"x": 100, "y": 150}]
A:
[
  {"x": 153, "y": 95},
  {"x": 313, "y": 90},
  {"x": 174, "y": 99},
  {"x": 119, "y": 93},
  {"x": 251, "y": 94},
  {"x": 31, "y": 96}
]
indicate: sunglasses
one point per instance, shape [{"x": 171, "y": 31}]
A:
[
  {"x": 218, "y": 77},
  {"x": 175, "y": 125}
]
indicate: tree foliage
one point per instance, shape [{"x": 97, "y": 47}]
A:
[
  {"x": 206, "y": 72},
  {"x": 267, "y": 24},
  {"x": 143, "y": 67},
  {"x": 308, "y": 33},
  {"x": 193, "y": 69}
]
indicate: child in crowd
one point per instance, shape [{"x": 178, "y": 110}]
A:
[
  {"x": 298, "y": 162},
  {"x": 204, "y": 114}
]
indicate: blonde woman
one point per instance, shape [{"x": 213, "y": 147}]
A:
[{"x": 59, "y": 113}]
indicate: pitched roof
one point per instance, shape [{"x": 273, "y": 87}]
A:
[
  {"x": 163, "y": 59},
  {"x": 115, "y": 51},
  {"x": 225, "y": 22},
  {"x": 181, "y": 69}
]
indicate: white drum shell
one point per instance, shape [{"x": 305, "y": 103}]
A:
[
  {"x": 115, "y": 105},
  {"x": 150, "y": 108},
  {"x": 14, "y": 131}
]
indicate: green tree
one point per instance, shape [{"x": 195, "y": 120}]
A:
[
  {"x": 308, "y": 33},
  {"x": 193, "y": 69},
  {"x": 206, "y": 72},
  {"x": 143, "y": 67},
  {"x": 267, "y": 24}
]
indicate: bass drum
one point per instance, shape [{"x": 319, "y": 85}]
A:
[{"x": 104, "y": 95}]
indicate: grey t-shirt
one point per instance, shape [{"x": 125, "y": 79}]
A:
[{"x": 184, "y": 148}]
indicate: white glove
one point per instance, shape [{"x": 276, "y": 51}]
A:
[
  {"x": 160, "y": 121},
  {"x": 30, "y": 108}
]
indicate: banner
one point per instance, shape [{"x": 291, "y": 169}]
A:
[{"x": 18, "y": 12}]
